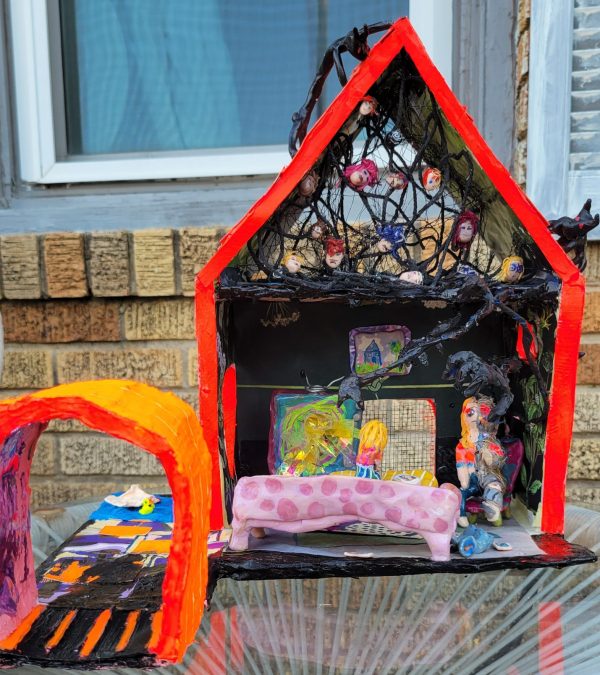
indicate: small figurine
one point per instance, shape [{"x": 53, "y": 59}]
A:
[
  {"x": 397, "y": 181},
  {"x": 392, "y": 238},
  {"x": 393, "y": 138},
  {"x": 363, "y": 174},
  {"x": 465, "y": 229},
  {"x": 572, "y": 232},
  {"x": 147, "y": 507},
  {"x": 292, "y": 261},
  {"x": 432, "y": 179},
  {"x": 308, "y": 185},
  {"x": 368, "y": 106},
  {"x": 334, "y": 252},
  {"x": 412, "y": 277},
  {"x": 479, "y": 460},
  {"x": 512, "y": 269},
  {"x": 319, "y": 230},
  {"x": 472, "y": 540},
  {"x": 373, "y": 438}
]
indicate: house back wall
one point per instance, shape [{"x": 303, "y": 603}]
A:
[
  {"x": 120, "y": 304},
  {"x": 318, "y": 343}
]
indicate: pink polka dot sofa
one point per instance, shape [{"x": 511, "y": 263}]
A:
[{"x": 306, "y": 504}]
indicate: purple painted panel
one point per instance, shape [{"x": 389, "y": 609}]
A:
[{"x": 17, "y": 575}]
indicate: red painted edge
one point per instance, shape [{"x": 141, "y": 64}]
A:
[
  {"x": 562, "y": 406},
  {"x": 208, "y": 387},
  {"x": 229, "y": 404}
]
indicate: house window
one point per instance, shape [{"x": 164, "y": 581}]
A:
[
  {"x": 134, "y": 90},
  {"x": 563, "y": 169}
]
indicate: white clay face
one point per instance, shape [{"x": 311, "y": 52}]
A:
[
  {"x": 366, "y": 108},
  {"x": 466, "y": 232},
  {"x": 316, "y": 231},
  {"x": 397, "y": 181},
  {"x": 293, "y": 265},
  {"x": 359, "y": 178},
  {"x": 412, "y": 277},
  {"x": 384, "y": 246},
  {"x": 308, "y": 185},
  {"x": 334, "y": 261}
]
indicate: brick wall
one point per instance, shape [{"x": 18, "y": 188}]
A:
[
  {"x": 103, "y": 305},
  {"x": 121, "y": 305},
  {"x": 519, "y": 168}
]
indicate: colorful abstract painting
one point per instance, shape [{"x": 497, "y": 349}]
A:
[
  {"x": 374, "y": 347},
  {"x": 310, "y": 435}
]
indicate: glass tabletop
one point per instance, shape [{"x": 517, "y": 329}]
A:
[{"x": 509, "y": 621}]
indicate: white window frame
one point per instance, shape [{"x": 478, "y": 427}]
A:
[
  {"x": 552, "y": 186},
  {"x": 36, "y": 125}
]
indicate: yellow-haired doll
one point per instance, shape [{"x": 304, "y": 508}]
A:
[
  {"x": 373, "y": 438},
  {"x": 512, "y": 269}
]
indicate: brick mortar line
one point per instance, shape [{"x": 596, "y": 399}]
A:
[
  {"x": 583, "y": 482},
  {"x": 117, "y": 345}
]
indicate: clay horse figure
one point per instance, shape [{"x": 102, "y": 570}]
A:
[{"x": 572, "y": 232}]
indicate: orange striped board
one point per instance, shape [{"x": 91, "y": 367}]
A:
[
  {"x": 22, "y": 629},
  {"x": 130, "y": 625},
  {"x": 60, "y": 631},
  {"x": 95, "y": 633}
]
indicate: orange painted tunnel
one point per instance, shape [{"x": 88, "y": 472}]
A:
[{"x": 157, "y": 422}]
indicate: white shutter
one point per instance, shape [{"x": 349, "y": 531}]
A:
[
  {"x": 585, "y": 84},
  {"x": 563, "y": 163}
]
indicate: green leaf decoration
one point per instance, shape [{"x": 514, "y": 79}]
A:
[{"x": 535, "y": 486}]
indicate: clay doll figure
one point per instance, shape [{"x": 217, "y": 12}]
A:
[
  {"x": 319, "y": 230},
  {"x": 465, "y": 229},
  {"x": 368, "y": 106},
  {"x": 363, "y": 174},
  {"x": 432, "y": 179},
  {"x": 292, "y": 261},
  {"x": 334, "y": 252},
  {"x": 308, "y": 185},
  {"x": 373, "y": 437},
  {"x": 512, "y": 269},
  {"x": 392, "y": 238},
  {"x": 397, "y": 181},
  {"x": 479, "y": 460}
]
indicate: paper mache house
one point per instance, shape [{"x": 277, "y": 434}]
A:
[{"x": 355, "y": 253}]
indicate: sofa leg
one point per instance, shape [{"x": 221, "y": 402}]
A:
[
  {"x": 439, "y": 544},
  {"x": 239, "y": 538}
]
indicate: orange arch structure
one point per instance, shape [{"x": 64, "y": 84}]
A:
[{"x": 163, "y": 425}]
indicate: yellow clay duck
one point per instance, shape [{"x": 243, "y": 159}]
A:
[{"x": 147, "y": 507}]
